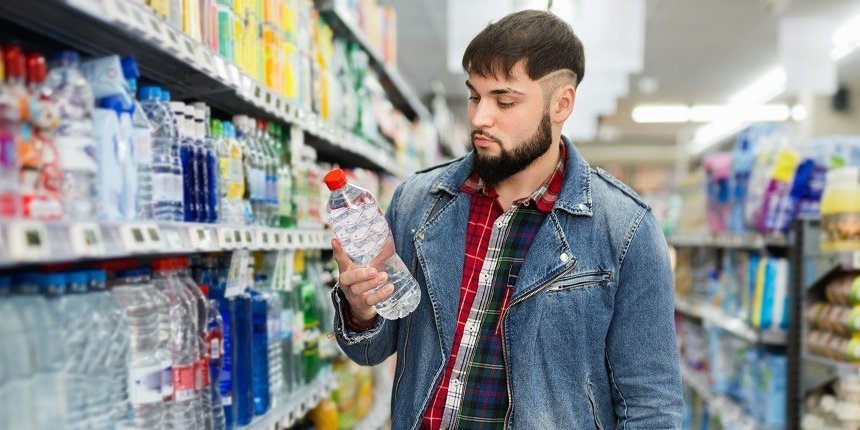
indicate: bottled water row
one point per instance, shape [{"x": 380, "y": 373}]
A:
[
  {"x": 162, "y": 345},
  {"x": 80, "y": 140}
]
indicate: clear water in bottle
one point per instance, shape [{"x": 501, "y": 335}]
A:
[
  {"x": 260, "y": 342},
  {"x": 141, "y": 138},
  {"x": 362, "y": 230},
  {"x": 230, "y": 154},
  {"x": 163, "y": 132},
  {"x": 176, "y": 195},
  {"x": 74, "y": 136},
  {"x": 16, "y": 366},
  {"x": 215, "y": 347},
  {"x": 201, "y": 366},
  {"x": 140, "y": 303},
  {"x": 113, "y": 370}
]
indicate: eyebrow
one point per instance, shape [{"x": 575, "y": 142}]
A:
[{"x": 499, "y": 91}]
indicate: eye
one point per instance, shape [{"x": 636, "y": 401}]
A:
[
  {"x": 474, "y": 99},
  {"x": 505, "y": 105}
]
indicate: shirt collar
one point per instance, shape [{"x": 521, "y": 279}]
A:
[{"x": 544, "y": 197}]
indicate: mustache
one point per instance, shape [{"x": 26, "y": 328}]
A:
[{"x": 485, "y": 135}]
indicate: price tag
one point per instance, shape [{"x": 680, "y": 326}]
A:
[
  {"x": 234, "y": 76},
  {"x": 156, "y": 30},
  {"x": 277, "y": 240},
  {"x": 189, "y": 52},
  {"x": 238, "y": 238},
  {"x": 205, "y": 62},
  {"x": 225, "y": 238},
  {"x": 249, "y": 239},
  {"x": 173, "y": 40},
  {"x": 28, "y": 241},
  {"x": 133, "y": 237},
  {"x": 201, "y": 239},
  {"x": 264, "y": 238},
  {"x": 174, "y": 240},
  {"x": 92, "y": 7},
  {"x": 138, "y": 21},
  {"x": 301, "y": 240},
  {"x": 153, "y": 236},
  {"x": 221, "y": 69},
  {"x": 86, "y": 239}
]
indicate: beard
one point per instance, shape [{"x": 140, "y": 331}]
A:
[{"x": 493, "y": 169}]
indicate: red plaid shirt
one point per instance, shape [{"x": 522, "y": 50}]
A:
[{"x": 484, "y": 402}]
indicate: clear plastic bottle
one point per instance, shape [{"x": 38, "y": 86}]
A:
[
  {"x": 11, "y": 119},
  {"x": 163, "y": 134},
  {"x": 362, "y": 230},
  {"x": 178, "y": 204},
  {"x": 215, "y": 275},
  {"x": 46, "y": 352},
  {"x": 251, "y": 167},
  {"x": 274, "y": 331},
  {"x": 17, "y": 367},
  {"x": 201, "y": 366},
  {"x": 139, "y": 301},
  {"x": 193, "y": 119},
  {"x": 74, "y": 137},
  {"x": 183, "y": 344},
  {"x": 230, "y": 155},
  {"x": 271, "y": 168},
  {"x": 187, "y": 159},
  {"x": 141, "y": 143},
  {"x": 206, "y": 165},
  {"x": 78, "y": 320},
  {"x": 113, "y": 370},
  {"x": 215, "y": 348}
]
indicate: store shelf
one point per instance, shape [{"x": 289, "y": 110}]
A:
[
  {"x": 822, "y": 265},
  {"x": 840, "y": 368},
  {"x": 188, "y": 68},
  {"x": 731, "y": 241},
  {"x": 733, "y": 325},
  {"x": 297, "y": 405},
  {"x": 56, "y": 242},
  {"x": 730, "y": 413},
  {"x": 399, "y": 92}
]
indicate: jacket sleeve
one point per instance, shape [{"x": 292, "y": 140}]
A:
[
  {"x": 642, "y": 353},
  {"x": 374, "y": 345}
]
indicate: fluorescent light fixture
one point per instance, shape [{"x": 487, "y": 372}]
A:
[
  {"x": 846, "y": 39},
  {"x": 649, "y": 114},
  {"x": 799, "y": 113},
  {"x": 768, "y": 86}
]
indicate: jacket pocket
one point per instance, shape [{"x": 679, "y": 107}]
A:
[
  {"x": 593, "y": 404},
  {"x": 581, "y": 280}
]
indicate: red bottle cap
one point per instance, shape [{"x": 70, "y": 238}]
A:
[
  {"x": 335, "y": 179},
  {"x": 36, "y": 69},
  {"x": 14, "y": 61},
  {"x": 205, "y": 289}
]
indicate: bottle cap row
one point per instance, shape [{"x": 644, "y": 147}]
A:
[{"x": 52, "y": 242}]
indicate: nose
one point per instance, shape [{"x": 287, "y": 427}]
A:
[{"x": 481, "y": 115}]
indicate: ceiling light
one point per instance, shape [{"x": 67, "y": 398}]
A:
[
  {"x": 799, "y": 113},
  {"x": 846, "y": 39},
  {"x": 768, "y": 86},
  {"x": 648, "y": 114}
]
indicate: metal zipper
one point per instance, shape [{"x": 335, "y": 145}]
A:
[
  {"x": 602, "y": 277},
  {"x": 505, "y": 349}
]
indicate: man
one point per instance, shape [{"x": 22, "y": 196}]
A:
[{"x": 546, "y": 287}]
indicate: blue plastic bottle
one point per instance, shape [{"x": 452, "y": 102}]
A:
[
  {"x": 260, "y": 351},
  {"x": 190, "y": 207},
  {"x": 242, "y": 370},
  {"x": 226, "y": 307}
]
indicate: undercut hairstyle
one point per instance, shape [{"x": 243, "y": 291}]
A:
[{"x": 542, "y": 39}]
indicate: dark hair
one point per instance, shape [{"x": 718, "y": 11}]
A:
[{"x": 541, "y": 38}]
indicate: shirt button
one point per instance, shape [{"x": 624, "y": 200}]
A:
[
  {"x": 420, "y": 235},
  {"x": 455, "y": 382},
  {"x": 564, "y": 257},
  {"x": 499, "y": 224}
]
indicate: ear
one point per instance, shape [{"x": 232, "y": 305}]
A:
[{"x": 563, "y": 102}]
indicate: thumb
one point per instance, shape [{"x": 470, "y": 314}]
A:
[{"x": 343, "y": 260}]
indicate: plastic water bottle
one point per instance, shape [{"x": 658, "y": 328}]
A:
[
  {"x": 230, "y": 153},
  {"x": 176, "y": 195},
  {"x": 190, "y": 207},
  {"x": 274, "y": 330},
  {"x": 181, "y": 408},
  {"x": 11, "y": 118},
  {"x": 201, "y": 366},
  {"x": 163, "y": 133},
  {"x": 213, "y": 183},
  {"x": 140, "y": 303},
  {"x": 227, "y": 310},
  {"x": 74, "y": 136},
  {"x": 114, "y": 369},
  {"x": 46, "y": 352},
  {"x": 242, "y": 369},
  {"x": 362, "y": 230},
  {"x": 141, "y": 138},
  {"x": 251, "y": 164},
  {"x": 17, "y": 366},
  {"x": 260, "y": 342},
  {"x": 215, "y": 348},
  {"x": 271, "y": 167},
  {"x": 206, "y": 164},
  {"x": 78, "y": 320}
]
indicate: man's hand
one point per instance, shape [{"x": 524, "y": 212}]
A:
[{"x": 358, "y": 284}]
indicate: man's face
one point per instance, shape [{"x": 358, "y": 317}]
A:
[{"x": 510, "y": 124}]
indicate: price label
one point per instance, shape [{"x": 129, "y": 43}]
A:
[
  {"x": 221, "y": 69},
  {"x": 138, "y": 21},
  {"x": 300, "y": 238},
  {"x": 86, "y": 239},
  {"x": 201, "y": 238},
  {"x": 264, "y": 238},
  {"x": 28, "y": 241},
  {"x": 174, "y": 240},
  {"x": 205, "y": 62},
  {"x": 95, "y": 8},
  {"x": 234, "y": 76},
  {"x": 190, "y": 50},
  {"x": 238, "y": 238},
  {"x": 249, "y": 239},
  {"x": 153, "y": 235},
  {"x": 133, "y": 237},
  {"x": 225, "y": 238}
]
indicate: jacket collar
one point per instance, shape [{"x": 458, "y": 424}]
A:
[{"x": 575, "y": 195}]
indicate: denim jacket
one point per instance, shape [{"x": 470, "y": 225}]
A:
[{"x": 589, "y": 335}]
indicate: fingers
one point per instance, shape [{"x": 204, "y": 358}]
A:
[
  {"x": 358, "y": 275},
  {"x": 384, "y": 292},
  {"x": 344, "y": 263},
  {"x": 364, "y": 285}
]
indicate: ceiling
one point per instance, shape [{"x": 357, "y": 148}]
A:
[{"x": 698, "y": 51}]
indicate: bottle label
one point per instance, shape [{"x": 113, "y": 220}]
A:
[
  {"x": 184, "y": 381},
  {"x": 144, "y": 384},
  {"x": 204, "y": 372},
  {"x": 166, "y": 381},
  {"x": 215, "y": 348},
  {"x": 161, "y": 187},
  {"x": 76, "y": 152}
]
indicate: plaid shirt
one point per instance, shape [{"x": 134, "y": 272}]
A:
[{"x": 473, "y": 392}]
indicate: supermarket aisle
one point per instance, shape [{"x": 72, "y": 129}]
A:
[{"x": 165, "y": 258}]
